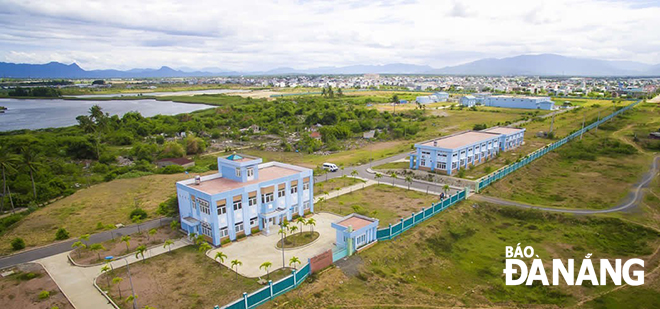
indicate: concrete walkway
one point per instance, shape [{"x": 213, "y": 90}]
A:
[
  {"x": 77, "y": 283},
  {"x": 252, "y": 251}
]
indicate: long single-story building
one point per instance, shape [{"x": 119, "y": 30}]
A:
[
  {"x": 464, "y": 149},
  {"x": 508, "y": 101}
]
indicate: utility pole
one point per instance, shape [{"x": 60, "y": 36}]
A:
[
  {"x": 552, "y": 123},
  {"x": 582, "y": 131},
  {"x": 128, "y": 269}
]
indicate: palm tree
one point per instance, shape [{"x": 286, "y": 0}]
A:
[
  {"x": 409, "y": 180},
  {"x": 293, "y": 261},
  {"x": 97, "y": 248},
  {"x": 393, "y": 175},
  {"x": 203, "y": 247},
  {"x": 378, "y": 176},
  {"x": 85, "y": 238},
  {"x": 104, "y": 270},
  {"x": 127, "y": 240},
  {"x": 266, "y": 266},
  {"x": 117, "y": 281},
  {"x": 221, "y": 256},
  {"x": 301, "y": 221},
  {"x": 293, "y": 229},
  {"x": 354, "y": 173},
  {"x": 168, "y": 243},
  {"x": 311, "y": 222},
  {"x": 131, "y": 298},
  {"x": 140, "y": 250},
  {"x": 7, "y": 164},
  {"x": 29, "y": 159},
  {"x": 199, "y": 239},
  {"x": 446, "y": 188},
  {"x": 236, "y": 263},
  {"x": 151, "y": 232},
  {"x": 78, "y": 244}
]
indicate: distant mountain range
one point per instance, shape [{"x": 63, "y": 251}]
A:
[{"x": 542, "y": 65}]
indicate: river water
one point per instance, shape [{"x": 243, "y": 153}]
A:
[{"x": 39, "y": 114}]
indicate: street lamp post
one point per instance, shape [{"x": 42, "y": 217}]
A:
[
  {"x": 282, "y": 233},
  {"x": 128, "y": 269}
]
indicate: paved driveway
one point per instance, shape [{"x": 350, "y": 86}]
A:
[{"x": 255, "y": 250}]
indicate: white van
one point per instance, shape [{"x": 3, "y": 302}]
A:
[{"x": 330, "y": 167}]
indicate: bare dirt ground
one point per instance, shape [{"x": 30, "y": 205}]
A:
[
  {"x": 21, "y": 290},
  {"x": 656, "y": 99},
  {"x": 117, "y": 247}
]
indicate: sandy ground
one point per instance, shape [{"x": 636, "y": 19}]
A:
[
  {"x": 255, "y": 250},
  {"x": 655, "y": 100},
  {"x": 23, "y": 294}
]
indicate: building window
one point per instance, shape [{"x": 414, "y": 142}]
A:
[
  {"x": 305, "y": 186},
  {"x": 238, "y": 172},
  {"x": 252, "y": 201},
  {"x": 281, "y": 192},
  {"x": 361, "y": 240},
  {"x": 250, "y": 172},
  {"x": 442, "y": 165},
  {"x": 253, "y": 222},
  {"x": 422, "y": 162},
  {"x": 206, "y": 229},
  {"x": 222, "y": 209},
  {"x": 239, "y": 227},
  {"x": 294, "y": 209},
  {"x": 294, "y": 189},
  {"x": 224, "y": 232},
  {"x": 266, "y": 198},
  {"x": 306, "y": 205},
  {"x": 204, "y": 206},
  {"x": 238, "y": 205}
]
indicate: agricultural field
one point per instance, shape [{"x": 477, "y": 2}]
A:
[
  {"x": 595, "y": 173},
  {"x": 183, "y": 278},
  {"x": 30, "y": 286},
  {"x": 456, "y": 260},
  {"x": 93, "y": 209},
  {"x": 383, "y": 202}
]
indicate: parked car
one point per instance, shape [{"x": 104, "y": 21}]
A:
[{"x": 330, "y": 167}]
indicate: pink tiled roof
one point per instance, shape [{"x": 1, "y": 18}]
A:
[
  {"x": 356, "y": 222},
  {"x": 461, "y": 140},
  {"x": 218, "y": 185},
  {"x": 503, "y": 130}
]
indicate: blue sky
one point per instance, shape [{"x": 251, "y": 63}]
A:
[{"x": 261, "y": 35}]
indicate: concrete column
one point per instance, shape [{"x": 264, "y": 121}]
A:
[
  {"x": 300, "y": 194},
  {"x": 231, "y": 219},
  {"x": 419, "y": 154},
  {"x": 311, "y": 194},
  {"x": 287, "y": 199},
  {"x": 433, "y": 158},
  {"x": 246, "y": 213}
]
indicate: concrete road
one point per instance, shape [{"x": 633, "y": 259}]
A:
[{"x": 65, "y": 246}]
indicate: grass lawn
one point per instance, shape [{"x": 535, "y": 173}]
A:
[
  {"x": 581, "y": 174},
  {"x": 109, "y": 203},
  {"x": 392, "y": 166},
  {"x": 334, "y": 184},
  {"x": 298, "y": 239},
  {"x": 183, "y": 278},
  {"x": 118, "y": 248},
  {"x": 30, "y": 287},
  {"x": 383, "y": 202},
  {"x": 456, "y": 259}
]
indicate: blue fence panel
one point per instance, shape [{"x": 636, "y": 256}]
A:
[
  {"x": 396, "y": 229},
  {"x": 286, "y": 283},
  {"x": 259, "y": 297},
  {"x": 302, "y": 273},
  {"x": 407, "y": 223},
  {"x": 336, "y": 256},
  {"x": 383, "y": 233},
  {"x": 428, "y": 212},
  {"x": 419, "y": 217},
  {"x": 239, "y": 304}
]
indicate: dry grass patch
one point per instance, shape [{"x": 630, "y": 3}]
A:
[
  {"x": 30, "y": 287},
  {"x": 183, "y": 278},
  {"x": 109, "y": 203}
]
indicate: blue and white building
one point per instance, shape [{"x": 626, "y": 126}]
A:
[
  {"x": 468, "y": 100},
  {"x": 355, "y": 231},
  {"x": 506, "y": 101},
  {"x": 245, "y": 195},
  {"x": 465, "y": 149},
  {"x": 434, "y": 98}
]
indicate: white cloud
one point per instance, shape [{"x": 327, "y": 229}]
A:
[{"x": 259, "y": 35}]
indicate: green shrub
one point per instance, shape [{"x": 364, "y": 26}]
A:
[
  {"x": 139, "y": 213},
  {"x": 169, "y": 208},
  {"x": 61, "y": 234},
  {"x": 17, "y": 243},
  {"x": 44, "y": 294},
  {"x": 172, "y": 169}
]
